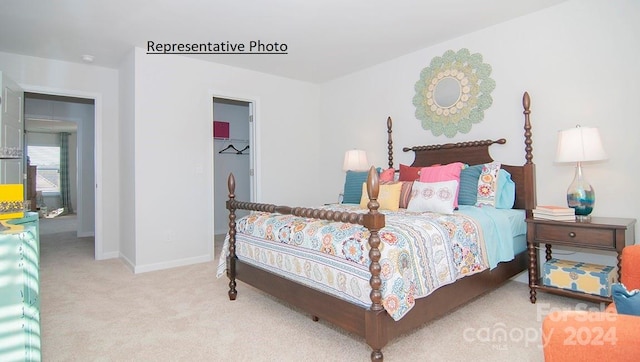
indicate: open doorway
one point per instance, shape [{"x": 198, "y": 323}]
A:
[
  {"x": 59, "y": 140},
  {"x": 233, "y": 153}
]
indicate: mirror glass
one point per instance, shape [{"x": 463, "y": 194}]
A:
[{"x": 447, "y": 92}]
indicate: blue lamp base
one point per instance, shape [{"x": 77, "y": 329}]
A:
[{"x": 581, "y": 196}]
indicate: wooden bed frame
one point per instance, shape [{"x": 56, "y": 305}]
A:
[{"x": 373, "y": 323}]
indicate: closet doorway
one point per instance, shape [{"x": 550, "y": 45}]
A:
[{"x": 233, "y": 130}]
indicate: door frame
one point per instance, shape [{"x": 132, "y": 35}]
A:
[
  {"x": 254, "y": 142},
  {"x": 99, "y": 253}
]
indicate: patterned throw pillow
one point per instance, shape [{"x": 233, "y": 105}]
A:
[
  {"x": 487, "y": 184},
  {"x": 405, "y": 193},
  {"x": 388, "y": 196},
  {"x": 440, "y": 173},
  {"x": 433, "y": 196}
]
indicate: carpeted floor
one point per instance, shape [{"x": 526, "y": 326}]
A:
[{"x": 100, "y": 311}]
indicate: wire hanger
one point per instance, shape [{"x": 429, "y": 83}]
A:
[
  {"x": 231, "y": 147},
  {"x": 234, "y": 150}
]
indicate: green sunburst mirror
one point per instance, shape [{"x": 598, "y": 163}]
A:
[{"x": 453, "y": 92}]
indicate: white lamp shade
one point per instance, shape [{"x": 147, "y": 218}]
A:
[
  {"x": 580, "y": 144},
  {"x": 355, "y": 160}
]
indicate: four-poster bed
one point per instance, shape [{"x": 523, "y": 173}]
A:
[{"x": 373, "y": 321}]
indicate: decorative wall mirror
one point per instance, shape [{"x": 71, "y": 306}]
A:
[{"x": 453, "y": 93}]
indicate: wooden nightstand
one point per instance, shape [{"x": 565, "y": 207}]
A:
[{"x": 600, "y": 233}]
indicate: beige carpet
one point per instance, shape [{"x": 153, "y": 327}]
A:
[{"x": 100, "y": 311}]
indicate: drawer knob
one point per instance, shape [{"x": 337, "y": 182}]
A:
[{"x": 572, "y": 234}]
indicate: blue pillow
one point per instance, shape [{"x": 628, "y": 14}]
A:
[
  {"x": 353, "y": 186},
  {"x": 627, "y": 302},
  {"x": 506, "y": 194},
  {"x": 468, "y": 192}
]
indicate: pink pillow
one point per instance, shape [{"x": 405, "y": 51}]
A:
[
  {"x": 446, "y": 172},
  {"x": 408, "y": 173},
  {"x": 387, "y": 175}
]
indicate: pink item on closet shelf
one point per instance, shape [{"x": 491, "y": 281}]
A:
[{"x": 220, "y": 129}]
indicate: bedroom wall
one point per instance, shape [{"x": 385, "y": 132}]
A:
[
  {"x": 126, "y": 131},
  {"x": 579, "y": 62},
  {"x": 172, "y": 131},
  {"x": 64, "y": 78}
]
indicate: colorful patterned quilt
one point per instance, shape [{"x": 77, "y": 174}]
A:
[{"x": 420, "y": 253}]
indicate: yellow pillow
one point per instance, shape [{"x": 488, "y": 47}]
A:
[{"x": 388, "y": 197}]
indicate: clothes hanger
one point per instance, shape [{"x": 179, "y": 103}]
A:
[
  {"x": 230, "y": 147},
  {"x": 242, "y": 150}
]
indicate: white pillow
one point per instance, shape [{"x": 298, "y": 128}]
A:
[{"x": 433, "y": 196}]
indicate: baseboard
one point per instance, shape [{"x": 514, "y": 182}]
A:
[
  {"x": 171, "y": 264},
  {"x": 110, "y": 255},
  {"x": 86, "y": 234},
  {"x": 128, "y": 263}
]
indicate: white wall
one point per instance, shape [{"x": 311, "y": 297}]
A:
[
  {"x": 579, "y": 62},
  {"x": 173, "y": 128},
  {"x": 63, "y": 78},
  {"x": 126, "y": 159}
]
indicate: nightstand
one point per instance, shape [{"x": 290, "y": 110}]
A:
[{"x": 600, "y": 233}]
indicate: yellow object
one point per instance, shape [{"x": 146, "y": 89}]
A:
[
  {"x": 11, "y": 201},
  {"x": 579, "y": 277},
  {"x": 388, "y": 196}
]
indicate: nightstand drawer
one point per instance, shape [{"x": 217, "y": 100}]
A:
[{"x": 570, "y": 234}]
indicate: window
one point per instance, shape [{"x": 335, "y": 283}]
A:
[{"x": 48, "y": 161}]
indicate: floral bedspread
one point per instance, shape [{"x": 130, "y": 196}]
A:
[{"x": 420, "y": 253}]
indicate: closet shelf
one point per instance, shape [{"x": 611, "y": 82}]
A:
[{"x": 230, "y": 139}]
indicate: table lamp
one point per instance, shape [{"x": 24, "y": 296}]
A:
[
  {"x": 355, "y": 160},
  {"x": 580, "y": 144}
]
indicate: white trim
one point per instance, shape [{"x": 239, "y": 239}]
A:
[
  {"x": 130, "y": 265},
  {"x": 97, "y": 143},
  {"x": 170, "y": 264}
]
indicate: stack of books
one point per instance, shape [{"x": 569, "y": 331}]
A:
[{"x": 551, "y": 212}]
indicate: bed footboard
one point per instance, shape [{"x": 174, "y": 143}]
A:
[{"x": 372, "y": 220}]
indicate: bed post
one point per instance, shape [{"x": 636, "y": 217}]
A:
[
  {"x": 231, "y": 258},
  {"x": 390, "y": 141},
  {"x": 374, "y": 221},
  {"x": 529, "y": 167}
]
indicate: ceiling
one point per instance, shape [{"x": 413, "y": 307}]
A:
[{"x": 325, "y": 39}]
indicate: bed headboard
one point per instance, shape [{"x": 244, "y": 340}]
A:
[{"x": 477, "y": 152}]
